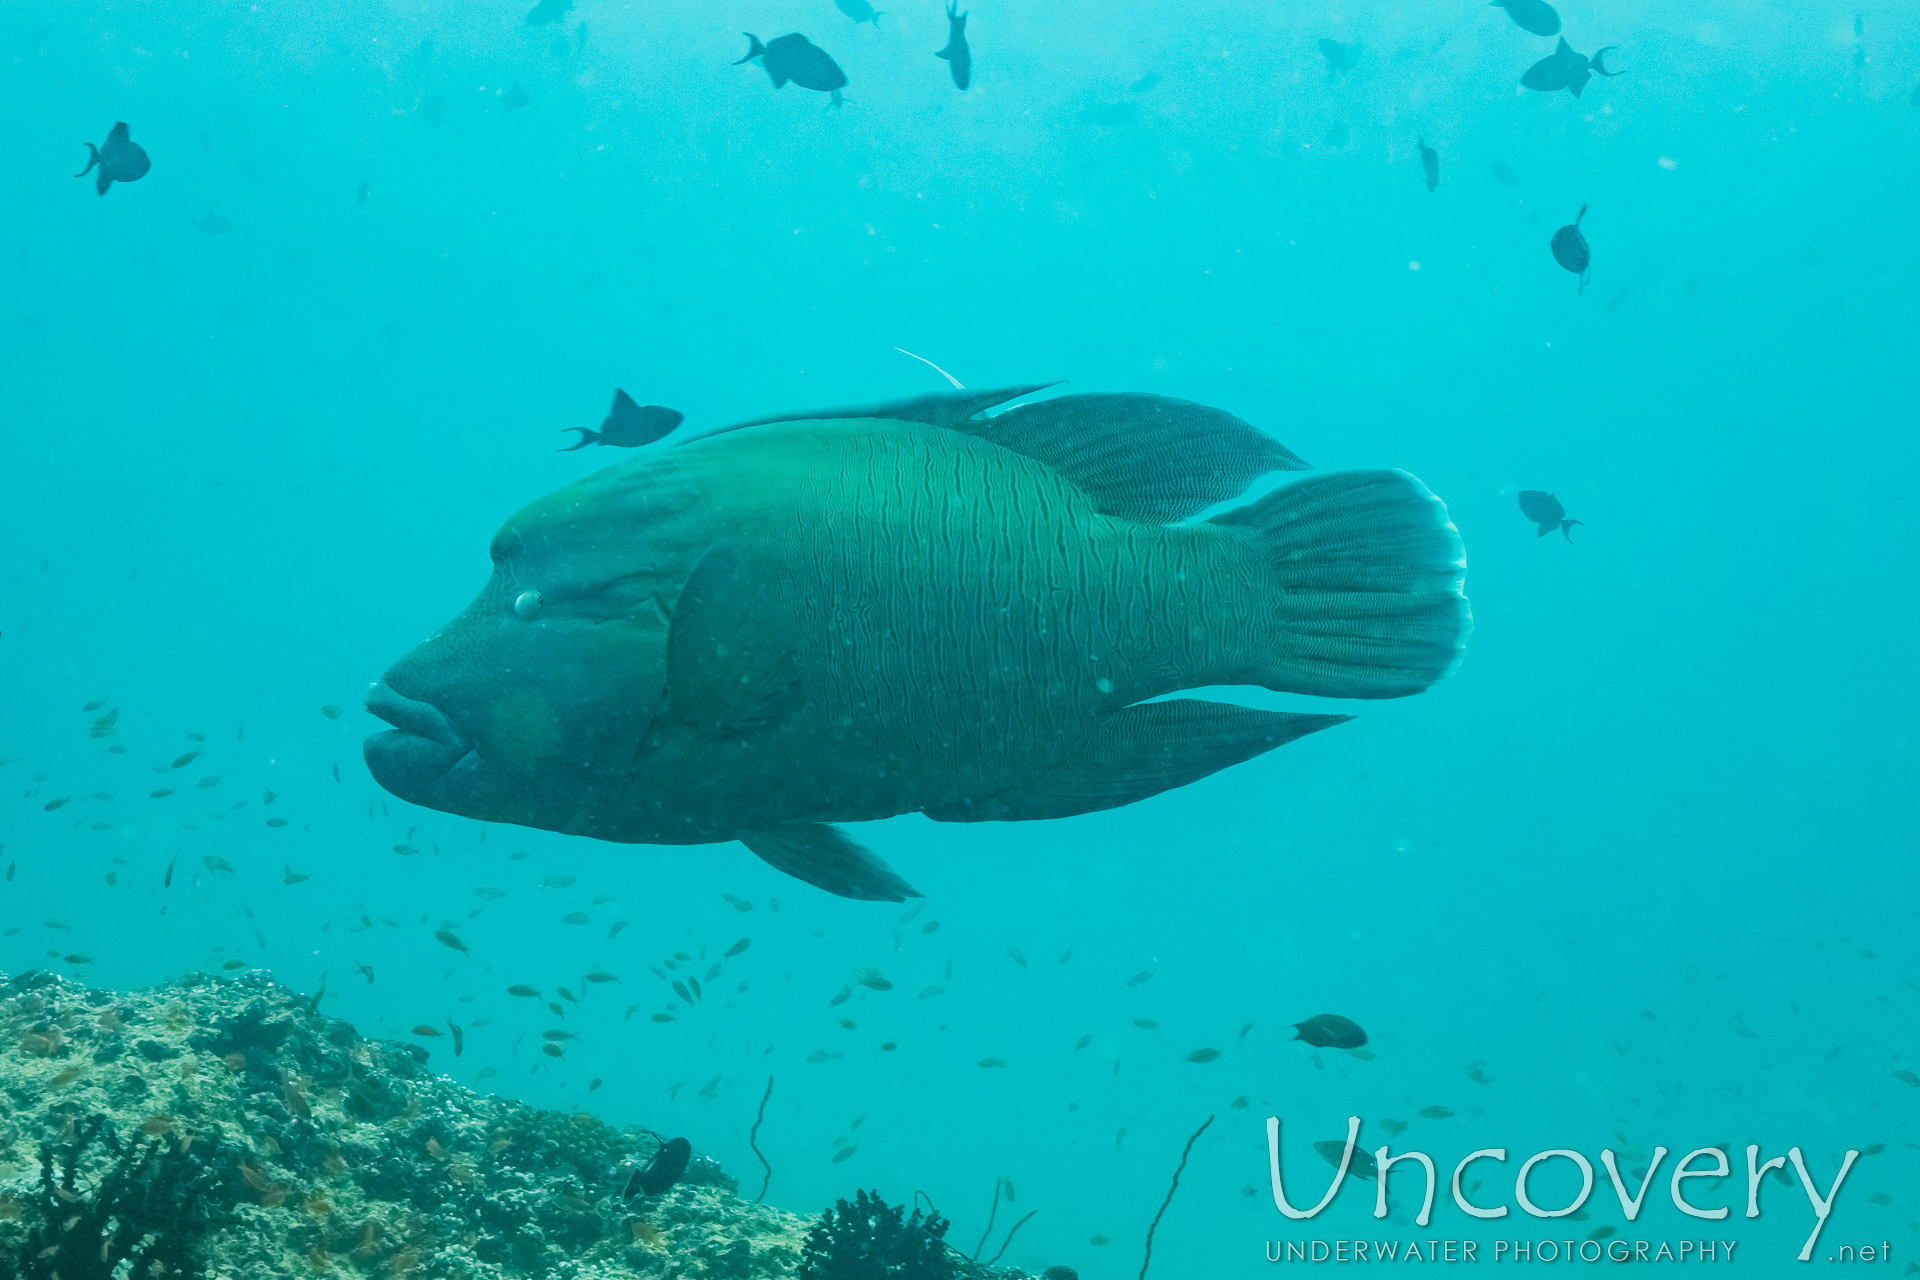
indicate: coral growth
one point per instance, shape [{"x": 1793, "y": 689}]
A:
[
  {"x": 870, "y": 1239},
  {"x": 224, "y": 1130}
]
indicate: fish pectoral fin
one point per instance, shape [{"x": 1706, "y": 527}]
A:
[
  {"x": 1140, "y": 456},
  {"x": 827, "y": 859},
  {"x": 1142, "y": 751},
  {"x": 730, "y": 666}
]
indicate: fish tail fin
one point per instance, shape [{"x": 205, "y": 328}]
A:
[
  {"x": 835, "y": 101},
  {"x": 1599, "y": 64},
  {"x": 1566, "y": 528},
  {"x": 93, "y": 158},
  {"x": 1363, "y": 589},
  {"x": 754, "y": 48},
  {"x": 875, "y": 19},
  {"x": 586, "y": 438}
]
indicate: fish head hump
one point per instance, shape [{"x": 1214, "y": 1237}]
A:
[{"x": 532, "y": 706}]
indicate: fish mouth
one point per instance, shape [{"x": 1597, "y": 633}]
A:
[{"x": 419, "y": 751}]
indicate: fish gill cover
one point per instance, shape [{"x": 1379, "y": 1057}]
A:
[{"x": 301, "y": 304}]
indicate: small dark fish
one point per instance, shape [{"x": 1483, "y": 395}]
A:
[
  {"x": 1619, "y": 300},
  {"x": 668, "y": 1166},
  {"x": 613, "y": 930},
  {"x": 1330, "y": 1031},
  {"x": 739, "y": 947},
  {"x": 185, "y": 758},
  {"x": 628, "y": 425},
  {"x": 574, "y": 917},
  {"x": 213, "y": 224},
  {"x": 1144, "y": 83},
  {"x": 860, "y": 11},
  {"x": 1545, "y": 510},
  {"x": 680, "y": 989},
  {"x": 459, "y": 1037},
  {"x": 1437, "y": 1112},
  {"x": 119, "y": 159},
  {"x": 959, "y": 57},
  {"x": 218, "y": 865},
  {"x": 448, "y": 938},
  {"x": 1140, "y": 978},
  {"x": 1503, "y": 175},
  {"x": 874, "y": 980},
  {"x": 365, "y": 971},
  {"x": 601, "y": 975},
  {"x": 843, "y": 1155},
  {"x": 1340, "y": 57},
  {"x": 1017, "y": 956},
  {"x": 796, "y": 58},
  {"x": 515, "y": 96},
  {"x": 524, "y": 991},
  {"x": 361, "y": 192},
  {"x": 553, "y": 1051},
  {"x": 1429, "y": 164},
  {"x": 547, "y": 12},
  {"x": 1570, "y": 249},
  {"x": 1362, "y": 1165},
  {"x": 490, "y": 893},
  {"x": 1204, "y": 1055},
  {"x": 1907, "y": 1077},
  {"x": 1536, "y": 16},
  {"x": 557, "y": 882},
  {"x": 1565, "y": 69},
  {"x": 567, "y": 995}
]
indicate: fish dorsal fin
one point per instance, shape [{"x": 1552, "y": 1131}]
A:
[
  {"x": 730, "y": 661},
  {"x": 119, "y": 133},
  {"x": 624, "y": 409},
  {"x": 1138, "y": 456},
  {"x": 942, "y": 409}
]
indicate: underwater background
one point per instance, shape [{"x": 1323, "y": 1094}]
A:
[{"x": 1641, "y": 871}]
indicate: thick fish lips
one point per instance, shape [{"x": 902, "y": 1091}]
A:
[{"x": 417, "y": 755}]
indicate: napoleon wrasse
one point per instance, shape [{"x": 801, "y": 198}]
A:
[{"x": 839, "y": 615}]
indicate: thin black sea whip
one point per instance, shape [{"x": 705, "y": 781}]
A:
[
  {"x": 1170, "y": 1190},
  {"x": 754, "y": 1133}
]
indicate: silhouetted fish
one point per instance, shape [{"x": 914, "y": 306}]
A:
[
  {"x": 860, "y": 11},
  {"x": 667, "y": 1167},
  {"x": 119, "y": 159},
  {"x": 548, "y": 11},
  {"x": 1503, "y": 175},
  {"x": 1340, "y": 57},
  {"x": 628, "y": 425},
  {"x": 1570, "y": 249},
  {"x": 1429, "y": 165},
  {"x": 213, "y": 224},
  {"x": 1536, "y": 16},
  {"x": 796, "y": 58},
  {"x": 1363, "y": 1164},
  {"x": 1144, "y": 83},
  {"x": 1565, "y": 69},
  {"x": 1330, "y": 1031},
  {"x": 515, "y": 97},
  {"x": 1545, "y": 510},
  {"x": 959, "y": 57}
]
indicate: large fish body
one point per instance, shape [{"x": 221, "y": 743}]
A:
[
  {"x": 850, "y": 614},
  {"x": 118, "y": 159}
]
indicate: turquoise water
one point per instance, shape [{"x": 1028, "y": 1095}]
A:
[{"x": 1644, "y": 863}]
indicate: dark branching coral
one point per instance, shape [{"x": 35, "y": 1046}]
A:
[
  {"x": 148, "y": 1208},
  {"x": 871, "y": 1240}
]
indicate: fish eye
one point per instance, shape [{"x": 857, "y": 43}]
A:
[{"x": 527, "y": 604}]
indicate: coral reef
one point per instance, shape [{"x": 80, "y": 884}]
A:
[
  {"x": 216, "y": 1129},
  {"x": 870, "y": 1239}
]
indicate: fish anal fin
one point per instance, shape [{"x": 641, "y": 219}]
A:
[
  {"x": 101, "y": 181},
  {"x": 1140, "y": 456},
  {"x": 827, "y": 859},
  {"x": 1141, "y": 751},
  {"x": 730, "y": 662}
]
